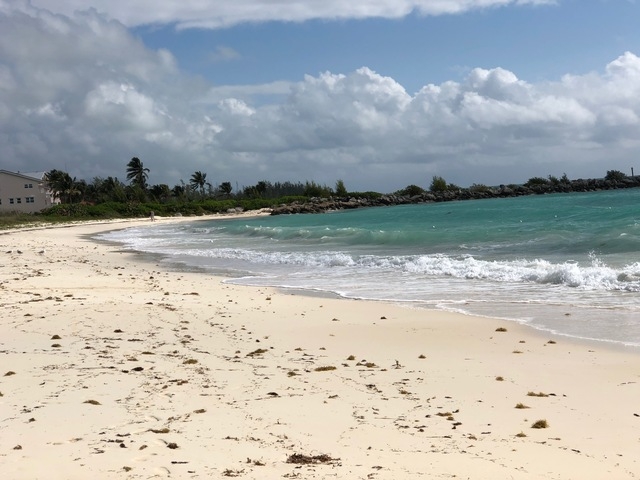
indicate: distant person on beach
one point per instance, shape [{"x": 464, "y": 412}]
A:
[{"x": 152, "y": 216}]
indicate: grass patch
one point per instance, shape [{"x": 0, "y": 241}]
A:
[
  {"x": 501, "y": 329},
  {"x": 521, "y": 406},
  {"x": 499, "y": 379},
  {"x": 92, "y": 402},
  {"x": 422, "y": 357},
  {"x": 191, "y": 361},
  {"x": 351, "y": 357},
  {"x": 521, "y": 435}
]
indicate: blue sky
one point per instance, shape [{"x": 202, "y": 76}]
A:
[
  {"x": 380, "y": 94},
  {"x": 537, "y": 43}
]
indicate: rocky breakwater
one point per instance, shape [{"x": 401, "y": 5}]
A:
[{"x": 372, "y": 199}]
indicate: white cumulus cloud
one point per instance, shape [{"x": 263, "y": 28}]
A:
[
  {"x": 223, "y": 13},
  {"x": 81, "y": 93}
]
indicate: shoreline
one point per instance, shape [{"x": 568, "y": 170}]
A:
[{"x": 238, "y": 379}]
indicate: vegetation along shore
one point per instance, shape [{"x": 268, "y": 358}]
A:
[{"x": 104, "y": 198}]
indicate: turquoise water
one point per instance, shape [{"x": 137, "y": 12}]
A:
[{"x": 566, "y": 263}]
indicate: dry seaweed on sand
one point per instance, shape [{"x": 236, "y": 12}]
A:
[{"x": 300, "y": 459}]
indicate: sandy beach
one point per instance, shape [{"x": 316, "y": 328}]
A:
[{"x": 112, "y": 365}]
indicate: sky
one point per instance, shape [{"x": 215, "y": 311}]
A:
[{"x": 378, "y": 93}]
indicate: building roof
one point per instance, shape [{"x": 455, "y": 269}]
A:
[{"x": 28, "y": 175}]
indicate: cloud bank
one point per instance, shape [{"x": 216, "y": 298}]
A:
[
  {"x": 199, "y": 14},
  {"x": 82, "y": 94}
]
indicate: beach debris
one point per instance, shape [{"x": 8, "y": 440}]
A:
[
  {"x": 367, "y": 364},
  {"x": 9, "y": 373},
  {"x": 159, "y": 430},
  {"x": 539, "y": 394},
  {"x": 325, "y": 368},
  {"x": 300, "y": 459},
  {"x": 232, "y": 473},
  {"x": 540, "y": 424},
  {"x": 259, "y": 351},
  {"x": 501, "y": 329},
  {"x": 92, "y": 402},
  {"x": 56, "y": 337},
  {"x": 172, "y": 445}
]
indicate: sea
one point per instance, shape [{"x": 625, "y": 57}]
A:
[{"x": 567, "y": 264}]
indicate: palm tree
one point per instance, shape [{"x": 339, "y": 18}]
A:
[
  {"x": 160, "y": 192},
  {"x": 225, "y": 188},
  {"x": 137, "y": 174},
  {"x": 199, "y": 180},
  {"x": 63, "y": 186}
]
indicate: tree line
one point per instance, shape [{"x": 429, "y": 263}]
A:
[
  {"x": 70, "y": 190},
  {"x": 110, "y": 197}
]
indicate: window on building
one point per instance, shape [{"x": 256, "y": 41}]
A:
[
  {"x": 28, "y": 185},
  {"x": 18, "y": 200},
  {"x": 11, "y": 201},
  {"x": 30, "y": 200}
]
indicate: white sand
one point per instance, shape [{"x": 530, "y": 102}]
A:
[{"x": 167, "y": 358}]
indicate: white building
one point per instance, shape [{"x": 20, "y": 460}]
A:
[{"x": 24, "y": 192}]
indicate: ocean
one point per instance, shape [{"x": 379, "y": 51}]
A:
[{"x": 563, "y": 263}]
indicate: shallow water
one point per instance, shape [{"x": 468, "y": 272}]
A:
[{"x": 566, "y": 263}]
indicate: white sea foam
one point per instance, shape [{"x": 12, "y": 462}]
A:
[{"x": 579, "y": 277}]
